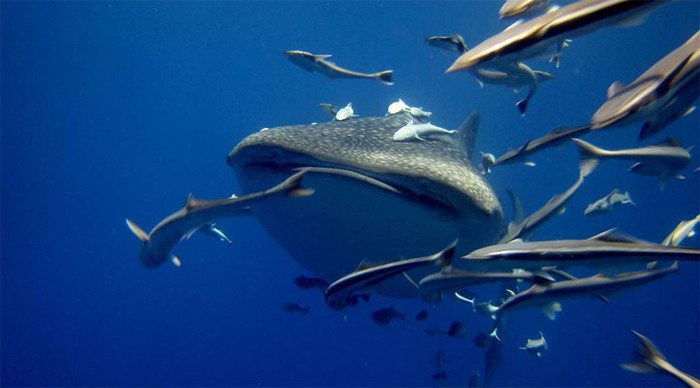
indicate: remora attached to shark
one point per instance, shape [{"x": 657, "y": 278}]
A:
[{"x": 372, "y": 196}]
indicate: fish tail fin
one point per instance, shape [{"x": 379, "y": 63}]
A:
[
  {"x": 522, "y": 105},
  {"x": 647, "y": 357},
  {"x": 386, "y": 77},
  {"x": 444, "y": 258},
  {"x": 588, "y": 156},
  {"x": 138, "y": 232}
]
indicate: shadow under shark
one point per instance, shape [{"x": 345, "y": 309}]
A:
[{"x": 373, "y": 198}]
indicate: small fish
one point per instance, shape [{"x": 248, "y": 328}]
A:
[
  {"x": 683, "y": 230},
  {"x": 487, "y": 160},
  {"x": 306, "y": 282},
  {"x": 535, "y": 346},
  {"x": 663, "y": 160},
  {"x": 295, "y": 308},
  {"x": 345, "y": 113},
  {"x": 420, "y": 131},
  {"x": 453, "y": 42},
  {"x": 319, "y": 63},
  {"x": 329, "y": 109},
  {"x": 551, "y": 139},
  {"x": 456, "y": 329},
  {"x": 338, "y": 292},
  {"x": 418, "y": 112},
  {"x": 215, "y": 232},
  {"x": 384, "y": 316},
  {"x": 176, "y": 261},
  {"x": 397, "y": 107},
  {"x": 545, "y": 34},
  {"x": 648, "y": 359},
  {"x": 547, "y": 296},
  {"x": 660, "y": 95},
  {"x": 605, "y": 204},
  {"x": 519, "y": 8},
  {"x": 486, "y": 309},
  {"x": 422, "y": 315}
]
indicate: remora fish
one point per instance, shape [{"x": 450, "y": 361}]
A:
[
  {"x": 604, "y": 250},
  {"x": 605, "y": 204},
  {"x": 425, "y": 186},
  {"x": 420, "y": 131},
  {"x": 514, "y": 76},
  {"x": 157, "y": 244},
  {"x": 683, "y": 230},
  {"x": 338, "y": 292},
  {"x": 663, "y": 160},
  {"x": 547, "y": 296},
  {"x": 551, "y": 139},
  {"x": 519, "y": 8},
  {"x": 648, "y": 359},
  {"x": 433, "y": 286},
  {"x": 535, "y": 346},
  {"x": 345, "y": 113},
  {"x": 660, "y": 95},
  {"x": 538, "y": 36},
  {"x": 318, "y": 63},
  {"x": 550, "y": 209}
]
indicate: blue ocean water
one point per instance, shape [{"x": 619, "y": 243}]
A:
[{"x": 111, "y": 110}]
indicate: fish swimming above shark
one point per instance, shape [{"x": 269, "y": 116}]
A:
[
  {"x": 605, "y": 204},
  {"x": 603, "y": 251},
  {"x": 511, "y": 75},
  {"x": 545, "y": 35},
  {"x": 340, "y": 290},
  {"x": 663, "y": 160},
  {"x": 547, "y": 296},
  {"x": 648, "y": 359},
  {"x": 660, "y": 95},
  {"x": 319, "y": 64},
  {"x": 420, "y": 131}
]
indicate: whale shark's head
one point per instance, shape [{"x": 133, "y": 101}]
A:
[{"x": 436, "y": 194}]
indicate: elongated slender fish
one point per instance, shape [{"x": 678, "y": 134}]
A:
[
  {"x": 433, "y": 286},
  {"x": 550, "y": 209},
  {"x": 661, "y": 94},
  {"x": 547, "y": 296},
  {"x": 420, "y": 131},
  {"x": 339, "y": 291},
  {"x": 157, "y": 244},
  {"x": 605, "y": 250},
  {"x": 648, "y": 359},
  {"x": 605, "y": 204},
  {"x": 683, "y": 230},
  {"x": 318, "y": 63},
  {"x": 535, "y": 346},
  {"x": 453, "y": 42},
  {"x": 545, "y": 34},
  {"x": 551, "y": 139},
  {"x": 663, "y": 160},
  {"x": 520, "y": 8}
]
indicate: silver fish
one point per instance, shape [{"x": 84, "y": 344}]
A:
[
  {"x": 345, "y": 113},
  {"x": 663, "y": 160},
  {"x": 683, "y": 230},
  {"x": 339, "y": 291},
  {"x": 660, "y": 95},
  {"x": 420, "y": 131},
  {"x": 545, "y": 34},
  {"x": 319, "y": 63},
  {"x": 606, "y": 250},
  {"x": 648, "y": 359},
  {"x": 535, "y": 346},
  {"x": 453, "y": 42},
  {"x": 215, "y": 232},
  {"x": 605, "y": 204},
  {"x": 551, "y": 139},
  {"x": 547, "y": 296}
]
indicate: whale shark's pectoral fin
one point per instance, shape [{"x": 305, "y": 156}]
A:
[{"x": 198, "y": 212}]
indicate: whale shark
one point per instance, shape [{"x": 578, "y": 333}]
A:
[{"x": 336, "y": 194}]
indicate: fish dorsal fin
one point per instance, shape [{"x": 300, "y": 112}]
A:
[
  {"x": 318, "y": 57},
  {"x": 523, "y": 149},
  {"x": 518, "y": 212},
  {"x": 516, "y": 23},
  {"x": 191, "y": 202},
  {"x": 615, "y": 88},
  {"x": 466, "y": 133},
  {"x": 669, "y": 141},
  {"x": 613, "y": 235}
]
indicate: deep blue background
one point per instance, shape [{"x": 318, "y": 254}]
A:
[{"x": 115, "y": 110}]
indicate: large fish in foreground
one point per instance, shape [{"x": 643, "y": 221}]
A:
[
  {"x": 546, "y": 35},
  {"x": 363, "y": 195},
  {"x": 663, "y": 93}
]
